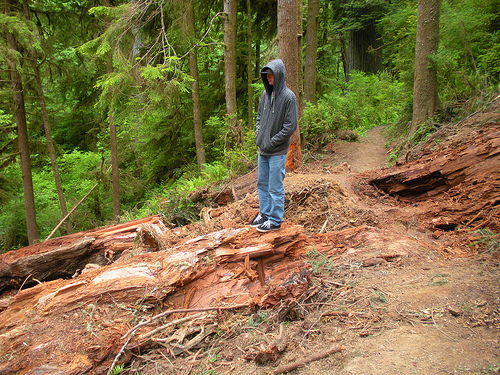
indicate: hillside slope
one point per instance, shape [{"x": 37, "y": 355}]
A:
[{"x": 376, "y": 271}]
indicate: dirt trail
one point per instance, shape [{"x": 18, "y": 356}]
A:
[
  {"x": 402, "y": 300},
  {"x": 366, "y": 154},
  {"x": 432, "y": 311},
  {"x": 398, "y": 296}
]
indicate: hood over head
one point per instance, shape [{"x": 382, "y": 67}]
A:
[{"x": 278, "y": 68}]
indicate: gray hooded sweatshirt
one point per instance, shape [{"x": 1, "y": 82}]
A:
[{"x": 277, "y": 114}]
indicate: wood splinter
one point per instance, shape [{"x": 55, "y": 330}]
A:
[{"x": 261, "y": 272}]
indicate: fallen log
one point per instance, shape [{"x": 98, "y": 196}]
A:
[
  {"x": 92, "y": 313},
  {"x": 463, "y": 182},
  {"x": 434, "y": 173},
  {"x": 62, "y": 257}
]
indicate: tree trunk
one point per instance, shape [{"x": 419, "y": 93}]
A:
[
  {"x": 230, "y": 10},
  {"x": 113, "y": 145},
  {"x": 22, "y": 139},
  {"x": 363, "y": 51},
  {"x": 257, "y": 53},
  {"x": 311, "y": 52},
  {"x": 50, "y": 147},
  {"x": 195, "y": 91},
  {"x": 114, "y": 165},
  {"x": 290, "y": 51},
  {"x": 425, "y": 93},
  {"x": 48, "y": 134},
  {"x": 249, "y": 65}
]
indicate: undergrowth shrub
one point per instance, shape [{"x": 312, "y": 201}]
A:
[
  {"x": 172, "y": 199},
  {"x": 366, "y": 101}
]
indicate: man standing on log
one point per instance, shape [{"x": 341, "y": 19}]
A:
[{"x": 277, "y": 118}]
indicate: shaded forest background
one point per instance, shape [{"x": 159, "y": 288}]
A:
[{"x": 94, "y": 77}]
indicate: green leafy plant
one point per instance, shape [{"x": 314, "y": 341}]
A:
[
  {"x": 379, "y": 297},
  {"x": 319, "y": 261},
  {"x": 118, "y": 369},
  {"x": 493, "y": 369},
  {"x": 487, "y": 240},
  {"x": 258, "y": 318},
  {"x": 367, "y": 100}
]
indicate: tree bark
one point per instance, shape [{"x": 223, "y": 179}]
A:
[
  {"x": 195, "y": 91},
  {"x": 363, "y": 51},
  {"x": 290, "y": 51},
  {"x": 113, "y": 141},
  {"x": 249, "y": 65},
  {"x": 468, "y": 174},
  {"x": 46, "y": 127},
  {"x": 311, "y": 52},
  {"x": 50, "y": 147},
  {"x": 22, "y": 134},
  {"x": 230, "y": 10},
  {"x": 425, "y": 90}
]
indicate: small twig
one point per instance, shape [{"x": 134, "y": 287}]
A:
[
  {"x": 168, "y": 312},
  {"x": 165, "y": 313},
  {"x": 310, "y": 330},
  {"x": 474, "y": 218},
  {"x": 118, "y": 356},
  {"x": 324, "y": 226},
  {"x": 439, "y": 329},
  {"x": 24, "y": 282},
  {"x": 169, "y": 324},
  {"x": 294, "y": 365}
]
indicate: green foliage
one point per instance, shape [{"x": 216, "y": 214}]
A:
[
  {"x": 80, "y": 171},
  {"x": 242, "y": 158},
  {"x": 256, "y": 319},
  {"x": 464, "y": 60},
  {"x": 118, "y": 369},
  {"x": 319, "y": 261},
  {"x": 172, "y": 200},
  {"x": 22, "y": 32},
  {"x": 318, "y": 124},
  {"x": 357, "y": 14},
  {"x": 128, "y": 63},
  {"x": 487, "y": 241},
  {"x": 366, "y": 101},
  {"x": 493, "y": 369},
  {"x": 423, "y": 131},
  {"x": 378, "y": 297},
  {"x": 467, "y": 60},
  {"x": 399, "y": 33}
]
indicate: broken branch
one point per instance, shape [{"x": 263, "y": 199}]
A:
[{"x": 305, "y": 361}]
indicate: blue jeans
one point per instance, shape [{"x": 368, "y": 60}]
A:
[{"x": 270, "y": 187}]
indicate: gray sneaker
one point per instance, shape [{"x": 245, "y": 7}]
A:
[
  {"x": 268, "y": 226},
  {"x": 258, "y": 220}
]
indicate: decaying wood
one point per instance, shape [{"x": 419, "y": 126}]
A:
[
  {"x": 467, "y": 173},
  {"x": 434, "y": 173},
  {"x": 305, "y": 361},
  {"x": 199, "y": 274},
  {"x": 62, "y": 257}
]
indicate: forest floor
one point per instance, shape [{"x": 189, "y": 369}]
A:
[
  {"x": 405, "y": 300},
  {"x": 390, "y": 289}
]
